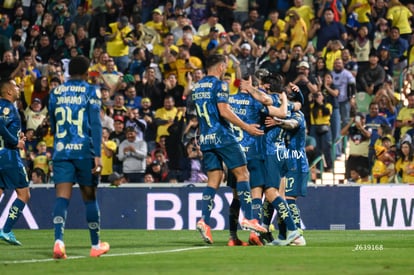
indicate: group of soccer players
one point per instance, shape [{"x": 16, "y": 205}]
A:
[
  {"x": 74, "y": 114},
  {"x": 260, "y": 136},
  {"x": 258, "y": 153}
]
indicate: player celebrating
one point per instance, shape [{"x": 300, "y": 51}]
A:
[
  {"x": 298, "y": 170},
  {"x": 74, "y": 115},
  {"x": 218, "y": 143},
  {"x": 275, "y": 161},
  {"x": 251, "y": 111},
  {"x": 12, "y": 172}
]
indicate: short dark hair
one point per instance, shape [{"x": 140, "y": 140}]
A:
[
  {"x": 55, "y": 79},
  {"x": 78, "y": 65},
  {"x": 214, "y": 59},
  {"x": 16, "y": 37}
]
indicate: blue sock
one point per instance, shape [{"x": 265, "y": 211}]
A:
[
  {"x": 295, "y": 211},
  {"x": 283, "y": 211},
  {"x": 234, "y": 217},
  {"x": 282, "y": 227},
  {"x": 59, "y": 217},
  {"x": 243, "y": 191},
  {"x": 257, "y": 209},
  {"x": 208, "y": 203},
  {"x": 14, "y": 214},
  {"x": 268, "y": 211},
  {"x": 93, "y": 219}
]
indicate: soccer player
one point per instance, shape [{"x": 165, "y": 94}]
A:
[
  {"x": 12, "y": 172},
  {"x": 275, "y": 163},
  {"x": 74, "y": 115},
  {"x": 298, "y": 171},
  {"x": 253, "y": 112},
  {"x": 218, "y": 143}
]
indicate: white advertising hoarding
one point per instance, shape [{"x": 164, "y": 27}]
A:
[{"x": 387, "y": 207}]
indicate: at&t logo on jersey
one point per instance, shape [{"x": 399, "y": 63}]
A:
[{"x": 70, "y": 146}]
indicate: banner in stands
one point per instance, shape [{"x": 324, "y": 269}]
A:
[
  {"x": 387, "y": 207},
  {"x": 176, "y": 208}
]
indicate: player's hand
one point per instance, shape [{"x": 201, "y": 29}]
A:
[
  {"x": 254, "y": 130},
  {"x": 294, "y": 87},
  {"x": 98, "y": 166},
  {"x": 246, "y": 85},
  {"x": 270, "y": 121},
  {"x": 21, "y": 142}
]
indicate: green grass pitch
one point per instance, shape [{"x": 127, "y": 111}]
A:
[{"x": 183, "y": 252}]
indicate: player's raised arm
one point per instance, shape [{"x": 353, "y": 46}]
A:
[
  {"x": 281, "y": 111},
  {"x": 246, "y": 85}
]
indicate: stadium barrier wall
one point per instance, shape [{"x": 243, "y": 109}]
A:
[{"x": 174, "y": 208}]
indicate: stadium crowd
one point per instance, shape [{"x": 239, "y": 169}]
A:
[{"x": 353, "y": 61}]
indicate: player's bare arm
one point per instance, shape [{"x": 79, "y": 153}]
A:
[
  {"x": 246, "y": 85},
  {"x": 281, "y": 111}
]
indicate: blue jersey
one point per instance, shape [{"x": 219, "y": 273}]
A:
[
  {"x": 10, "y": 127},
  {"x": 275, "y": 136},
  {"x": 215, "y": 131},
  {"x": 250, "y": 111},
  {"x": 74, "y": 109},
  {"x": 296, "y": 143}
]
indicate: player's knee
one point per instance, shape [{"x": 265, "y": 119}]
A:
[{"x": 242, "y": 175}]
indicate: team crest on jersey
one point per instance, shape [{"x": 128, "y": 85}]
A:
[
  {"x": 98, "y": 93},
  {"x": 6, "y": 111},
  {"x": 59, "y": 146},
  {"x": 224, "y": 87}
]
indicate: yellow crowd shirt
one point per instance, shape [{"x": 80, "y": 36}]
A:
[
  {"x": 330, "y": 58},
  {"x": 299, "y": 34},
  {"x": 378, "y": 169},
  {"x": 107, "y": 161},
  {"x": 169, "y": 115},
  {"x": 116, "y": 47},
  {"x": 179, "y": 66},
  {"x": 320, "y": 119},
  {"x": 405, "y": 114},
  {"x": 362, "y": 11},
  {"x": 280, "y": 23},
  {"x": 305, "y": 12},
  {"x": 277, "y": 42},
  {"x": 405, "y": 166},
  {"x": 41, "y": 161},
  {"x": 399, "y": 16}
]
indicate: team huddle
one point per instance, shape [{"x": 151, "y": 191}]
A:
[{"x": 259, "y": 133}]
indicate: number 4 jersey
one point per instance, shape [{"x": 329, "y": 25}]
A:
[
  {"x": 215, "y": 131},
  {"x": 74, "y": 117}
]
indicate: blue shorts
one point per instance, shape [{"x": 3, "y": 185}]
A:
[
  {"x": 231, "y": 155},
  {"x": 276, "y": 168},
  {"x": 75, "y": 171},
  {"x": 13, "y": 178},
  {"x": 256, "y": 169},
  {"x": 296, "y": 184}
]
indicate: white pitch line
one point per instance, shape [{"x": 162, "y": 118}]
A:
[{"x": 106, "y": 255}]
